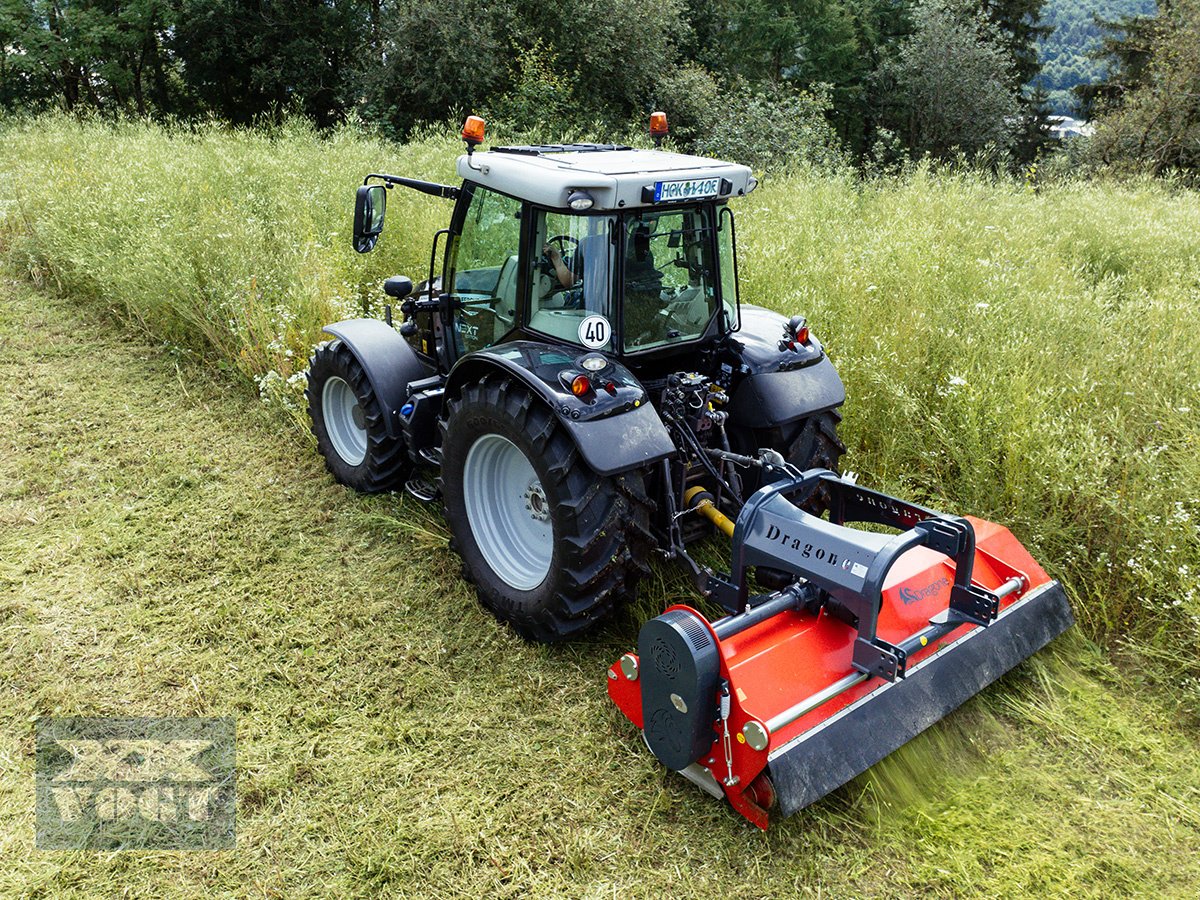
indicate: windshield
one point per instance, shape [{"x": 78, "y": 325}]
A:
[{"x": 670, "y": 277}]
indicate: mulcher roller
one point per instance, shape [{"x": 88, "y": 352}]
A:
[{"x": 877, "y": 637}]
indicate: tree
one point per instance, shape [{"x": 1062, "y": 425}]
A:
[
  {"x": 1019, "y": 27},
  {"x": 1126, "y": 45},
  {"x": 951, "y": 83},
  {"x": 102, "y": 54},
  {"x": 248, "y": 58},
  {"x": 440, "y": 59},
  {"x": 804, "y": 45},
  {"x": 23, "y": 84},
  {"x": 1154, "y": 120}
]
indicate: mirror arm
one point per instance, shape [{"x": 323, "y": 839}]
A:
[{"x": 425, "y": 187}]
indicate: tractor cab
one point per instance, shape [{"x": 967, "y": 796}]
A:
[
  {"x": 569, "y": 243},
  {"x": 599, "y": 246}
]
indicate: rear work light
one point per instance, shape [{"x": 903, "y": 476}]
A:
[{"x": 580, "y": 200}]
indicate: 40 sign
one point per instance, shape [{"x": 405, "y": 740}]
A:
[{"x": 125, "y": 784}]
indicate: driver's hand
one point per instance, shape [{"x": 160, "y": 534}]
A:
[{"x": 552, "y": 253}]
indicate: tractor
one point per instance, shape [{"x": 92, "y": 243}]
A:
[{"x": 581, "y": 386}]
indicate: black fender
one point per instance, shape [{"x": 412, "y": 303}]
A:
[
  {"x": 781, "y": 385},
  {"x": 614, "y": 431},
  {"x": 390, "y": 363}
]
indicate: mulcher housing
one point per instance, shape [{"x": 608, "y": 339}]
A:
[{"x": 580, "y": 384}]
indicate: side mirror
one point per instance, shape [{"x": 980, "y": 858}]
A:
[{"x": 370, "y": 202}]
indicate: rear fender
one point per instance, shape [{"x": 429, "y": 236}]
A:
[
  {"x": 390, "y": 363},
  {"x": 614, "y": 432},
  {"x": 783, "y": 385}
]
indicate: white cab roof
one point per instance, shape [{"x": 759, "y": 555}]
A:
[{"x": 616, "y": 178}]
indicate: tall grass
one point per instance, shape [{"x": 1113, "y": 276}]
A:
[
  {"x": 1031, "y": 358},
  {"x": 229, "y": 243}
]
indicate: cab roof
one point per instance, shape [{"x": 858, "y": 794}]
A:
[{"x": 617, "y": 177}]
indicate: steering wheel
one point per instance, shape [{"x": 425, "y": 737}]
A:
[{"x": 544, "y": 263}]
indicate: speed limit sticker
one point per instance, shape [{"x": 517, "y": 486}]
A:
[{"x": 594, "y": 332}]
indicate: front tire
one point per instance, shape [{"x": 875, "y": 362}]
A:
[
  {"x": 550, "y": 546},
  {"x": 347, "y": 422}
]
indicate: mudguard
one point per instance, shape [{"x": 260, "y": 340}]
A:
[
  {"x": 388, "y": 360},
  {"x": 782, "y": 385},
  {"x": 614, "y": 430}
]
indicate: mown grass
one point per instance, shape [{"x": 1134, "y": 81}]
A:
[
  {"x": 1030, "y": 358},
  {"x": 164, "y": 552}
]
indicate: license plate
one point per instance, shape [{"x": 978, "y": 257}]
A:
[{"x": 692, "y": 189}]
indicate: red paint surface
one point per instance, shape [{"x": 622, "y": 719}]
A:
[{"x": 791, "y": 656}]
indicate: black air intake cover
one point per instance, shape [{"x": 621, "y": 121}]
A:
[{"x": 680, "y": 668}]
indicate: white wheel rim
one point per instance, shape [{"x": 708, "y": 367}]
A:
[
  {"x": 344, "y": 421},
  {"x": 508, "y": 512}
]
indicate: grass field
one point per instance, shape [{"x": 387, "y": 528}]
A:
[{"x": 171, "y": 546}]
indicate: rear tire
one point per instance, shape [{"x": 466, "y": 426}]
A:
[
  {"x": 506, "y": 460},
  {"x": 348, "y": 423},
  {"x": 811, "y": 443}
]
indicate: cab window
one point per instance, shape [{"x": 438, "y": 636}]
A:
[
  {"x": 571, "y": 261},
  {"x": 483, "y": 278},
  {"x": 670, "y": 277},
  {"x": 726, "y": 243}
]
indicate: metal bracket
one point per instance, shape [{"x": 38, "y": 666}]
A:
[
  {"x": 974, "y": 604},
  {"x": 724, "y": 593},
  {"x": 945, "y": 536},
  {"x": 879, "y": 658}
]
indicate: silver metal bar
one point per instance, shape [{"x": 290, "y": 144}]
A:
[
  {"x": 1013, "y": 584},
  {"x": 804, "y": 707}
]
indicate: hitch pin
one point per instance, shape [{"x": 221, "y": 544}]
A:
[{"x": 730, "y": 779}]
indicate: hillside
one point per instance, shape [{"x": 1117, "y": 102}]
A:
[{"x": 1064, "y": 52}]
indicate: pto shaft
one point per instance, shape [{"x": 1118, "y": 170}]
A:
[{"x": 699, "y": 499}]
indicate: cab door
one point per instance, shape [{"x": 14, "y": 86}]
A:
[{"x": 484, "y": 278}]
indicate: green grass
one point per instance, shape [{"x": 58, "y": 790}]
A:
[
  {"x": 170, "y": 547},
  {"x": 164, "y": 552}
]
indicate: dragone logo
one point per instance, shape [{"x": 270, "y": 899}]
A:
[
  {"x": 135, "y": 783},
  {"x": 911, "y": 595}
]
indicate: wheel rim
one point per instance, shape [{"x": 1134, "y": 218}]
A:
[
  {"x": 508, "y": 512},
  {"x": 344, "y": 421}
]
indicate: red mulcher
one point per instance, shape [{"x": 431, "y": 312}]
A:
[{"x": 877, "y": 637}]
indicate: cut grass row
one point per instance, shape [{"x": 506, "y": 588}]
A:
[{"x": 164, "y": 552}]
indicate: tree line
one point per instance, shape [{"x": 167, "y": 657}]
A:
[{"x": 870, "y": 81}]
